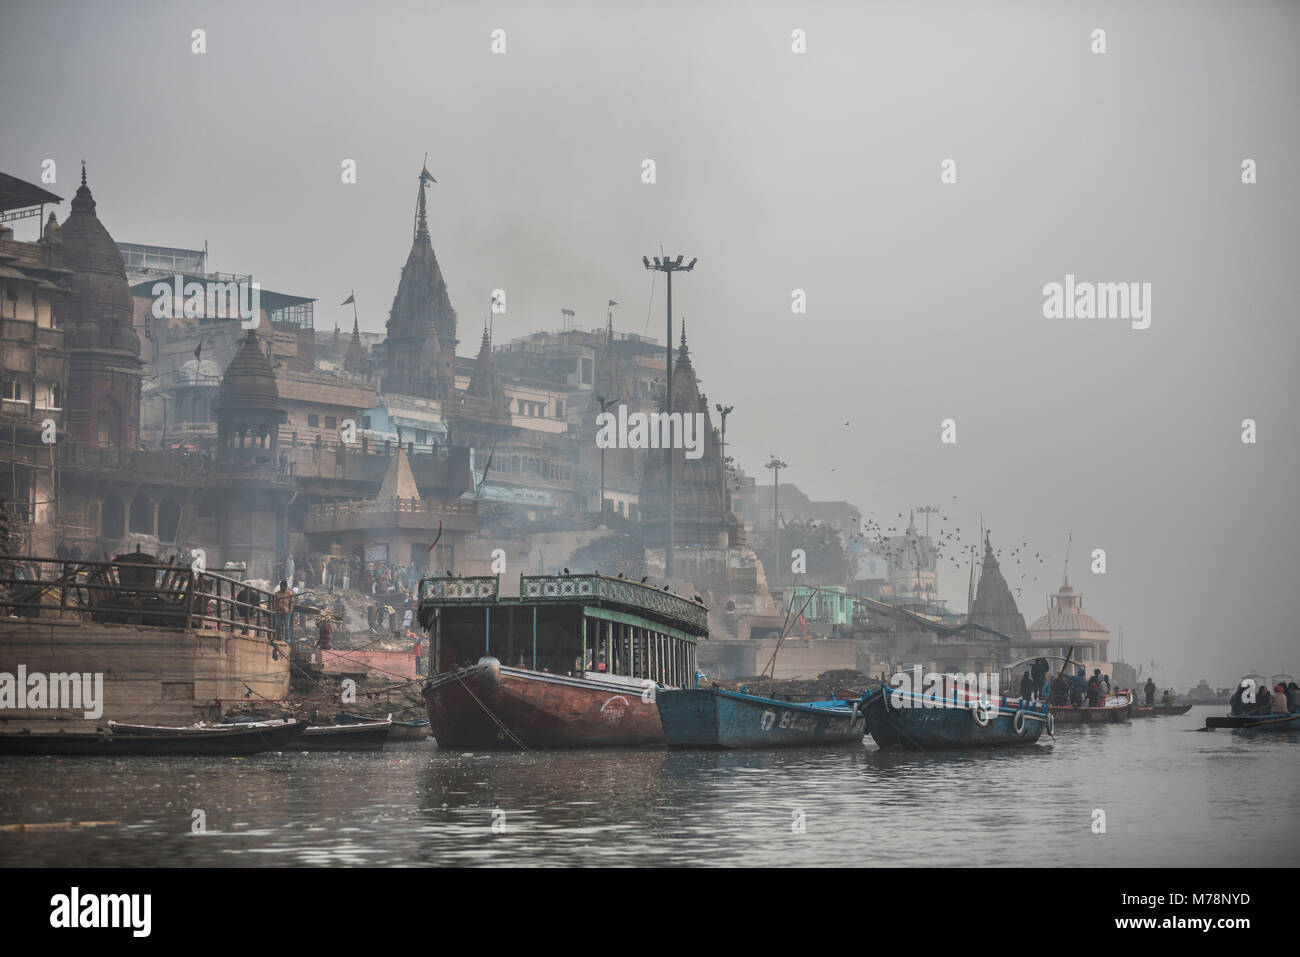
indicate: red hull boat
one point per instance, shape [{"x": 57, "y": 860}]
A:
[
  {"x": 573, "y": 662},
  {"x": 491, "y": 706}
]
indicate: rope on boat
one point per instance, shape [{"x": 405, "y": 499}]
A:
[{"x": 495, "y": 720}]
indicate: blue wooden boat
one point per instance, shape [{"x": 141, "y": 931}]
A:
[
  {"x": 714, "y": 718},
  {"x": 911, "y": 719}
]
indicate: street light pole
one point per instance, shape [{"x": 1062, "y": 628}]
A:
[
  {"x": 668, "y": 267},
  {"x": 725, "y": 411},
  {"x": 776, "y": 465},
  {"x": 603, "y": 407}
]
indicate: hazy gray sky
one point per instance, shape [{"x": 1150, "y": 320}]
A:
[{"x": 818, "y": 171}]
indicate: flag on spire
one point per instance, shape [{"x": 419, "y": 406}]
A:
[{"x": 351, "y": 299}]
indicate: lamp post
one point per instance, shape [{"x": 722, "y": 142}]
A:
[
  {"x": 776, "y": 465},
  {"x": 603, "y": 407},
  {"x": 668, "y": 267},
  {"x": 725, "y": 411}
]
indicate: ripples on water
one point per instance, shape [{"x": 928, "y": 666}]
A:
[{"x": 1171, "y": 798}]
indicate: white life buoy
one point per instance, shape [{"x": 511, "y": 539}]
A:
[
  {"x": 1019, "y": 721},
  {"x": 980, "y": 712},
  {"x": 1051, "y": 724}
]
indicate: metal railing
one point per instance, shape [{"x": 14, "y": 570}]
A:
[{"x": 131, "y": 593}]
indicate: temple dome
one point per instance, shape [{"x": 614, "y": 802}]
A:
[
  {"x": 1067, "y": 614},
  {"x": 100, "y": 312},
  {"x": 249, "y": 382}
]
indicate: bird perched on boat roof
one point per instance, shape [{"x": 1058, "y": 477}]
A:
[
  {"x": 566, "y": 571},
  {"x": 643, "y": 578}
]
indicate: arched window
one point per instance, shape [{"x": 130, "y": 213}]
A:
[
  {"x": 169, "y": 519},
  {"x": 114, "y": 515},
  {"x": 141, "y": 521}
]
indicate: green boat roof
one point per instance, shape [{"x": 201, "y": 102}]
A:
[{"x": 549, "y": 590}]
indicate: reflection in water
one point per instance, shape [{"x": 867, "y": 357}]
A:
[{"x": 1170, "y": 798}]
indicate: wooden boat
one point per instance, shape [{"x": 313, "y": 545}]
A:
[
  {"x": 1114, "y": 709},
  {"x": 898, "y": 717},
  {"x": 1250, "y": 725},
  {"x": 492, "y": 706},
  {"x": 217, "y": 741},
  {"x": 714, "y": 718},
  {"x": 1159, "y": 710},
  {"x": 356, "y": 736},
  {"x": 401, "y": 730},
  {"x": 576, "y": 661}
]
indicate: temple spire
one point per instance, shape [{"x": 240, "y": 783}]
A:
[
  {"x": 83, "y": 172},
  {"x": 421, "y": 213}
]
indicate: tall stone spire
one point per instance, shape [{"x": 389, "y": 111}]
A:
[
  {"x": 104, "y": 367},
  {"x": 994, "y": 605},
  {"x": 421, "y": 340},
  {"x": 421, "y": 210}
]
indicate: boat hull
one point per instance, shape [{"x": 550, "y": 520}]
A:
[
  {"x": 718, "y": 719},
  {"x": 1068, "y": 715},
  {"x": 490, "y": 706},
  {"x": 185, "y": 742},
  {"x": 1250, "y": 726},
  {"x": 950, "y": 725},
  {"x": 369, "y": 736}
]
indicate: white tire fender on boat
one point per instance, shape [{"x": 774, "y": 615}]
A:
[
  {"x": 1050, "y": 724},
  {"x": 980, "y": 712},
  {"x": 1019, "y": 721}
]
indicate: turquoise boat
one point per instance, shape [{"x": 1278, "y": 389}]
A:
[
  {"x": 908, "y": 719},
  {"x": 717, "y": 719}
]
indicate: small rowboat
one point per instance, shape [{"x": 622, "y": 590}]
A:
[
  {"x": 1115, "y": 708},
  {"x": 717, "y": 719},
  {"x": 401, "y": 731},
  {"x": 1249, "y": 725},
  {"x": 152, "y": 741},
  {"x": 1159, "y": 710},
  {"x": 358, "y": 736}
]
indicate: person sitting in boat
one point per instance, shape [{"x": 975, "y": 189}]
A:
[
  {"x": 1168, "y": 699},
  {"x": 1103, "y": 683},
  {"x": 1150, "y": 689},
  {"x": 1026, "y": 686},
  {"x": 1076, "y": 695},
  {"x": 1060, "y": 691},
  {"x": 1293, "y": 698},
  {"x": 1237, "y": 704},
  {"x": 1094, "y": 691},
  {"x": 1279, "y": 702},
  {"x": 1038, "y": 672}
]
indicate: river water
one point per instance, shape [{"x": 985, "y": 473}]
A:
[{"x": 1170, "y": 797}]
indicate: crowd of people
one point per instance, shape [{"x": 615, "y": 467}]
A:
[{"x": 1282, "y": 699}]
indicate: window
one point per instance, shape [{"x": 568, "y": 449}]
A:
[
  {"x": 12, "y": 390},
  {"x": 559, "y": 409},
  {"x": 365, "y": 421},
  {"x": 313, "y": 421},
  {"x": 331, "y": 422},
  {"x": 586, "y": 371}
]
